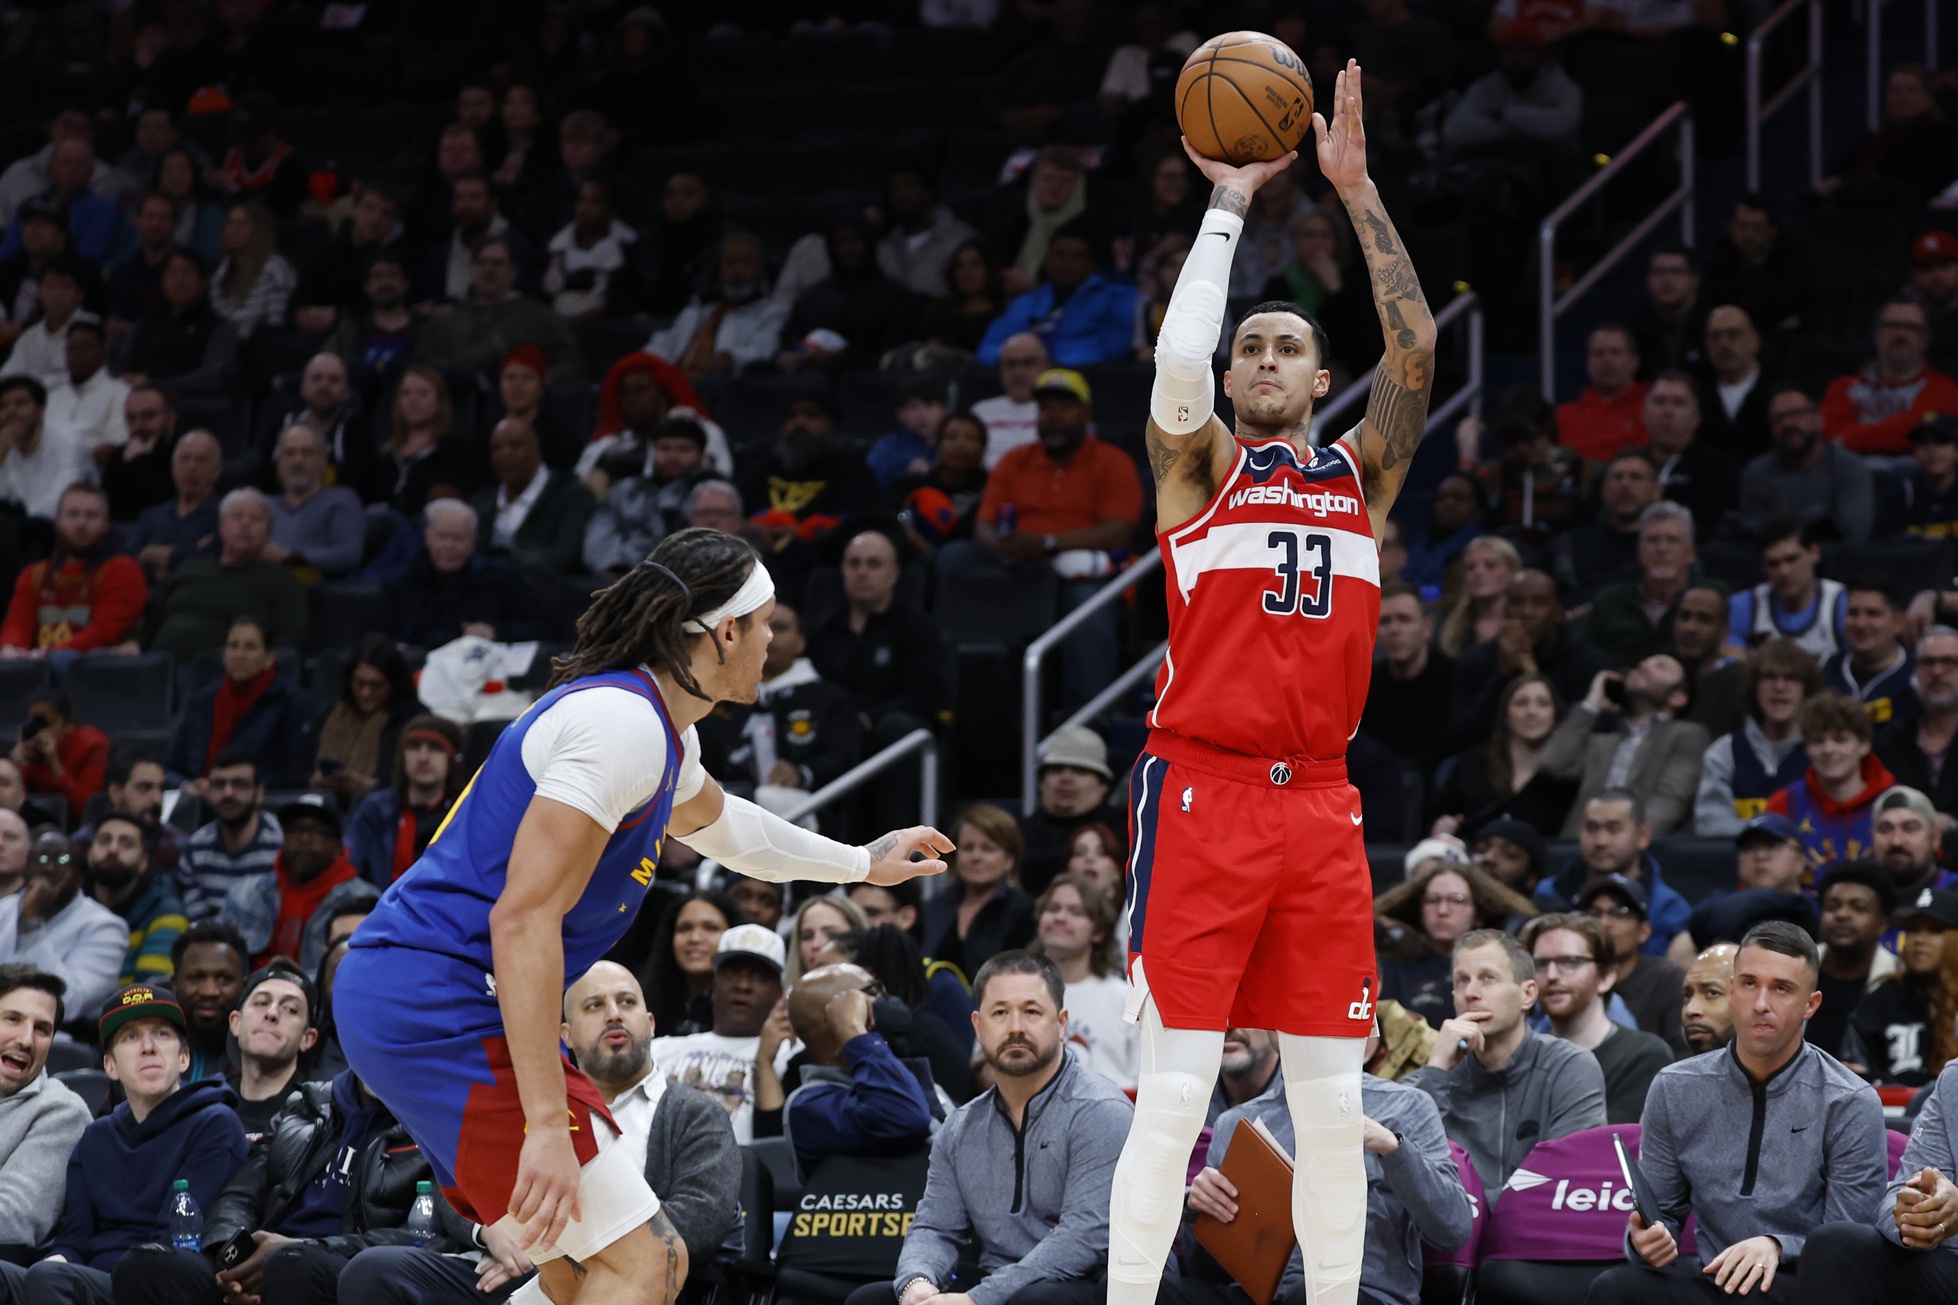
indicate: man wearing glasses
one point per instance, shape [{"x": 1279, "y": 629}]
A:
[
  {"x": 1649, "y": 985},
  {"x": 1575, "y": 974},
  {"x": 1915, "y": 748},
  {"x": 243, "y": 841},
  {"x": 1011, "y": 418},
  {"x": 1874, "y": 410}
]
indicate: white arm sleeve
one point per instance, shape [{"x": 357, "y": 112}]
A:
[
  {"x": 762, "y": 845},
  {"x": 1184, "y": 395}
]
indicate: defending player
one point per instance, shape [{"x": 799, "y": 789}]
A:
[
  {"x": 1251, "y": 902},
  {"x": 448, "y": 1004}
]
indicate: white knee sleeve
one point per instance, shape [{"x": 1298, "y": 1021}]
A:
[
  {"x": 1329, "y": 1183},
  {"x": 1179, "y": 1068},
  {"x": 1184, "y": 395}
]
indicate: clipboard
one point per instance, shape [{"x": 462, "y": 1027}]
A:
[
  {"x": 1648, "y": 1205},
  {"x": 1254, "y": 1247}
]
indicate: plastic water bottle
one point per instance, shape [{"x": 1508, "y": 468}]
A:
[
  {"x": 423, "y": 1227},
  {"x": 186, "y": 1220},
  {"x": 1007, "y": 518}
]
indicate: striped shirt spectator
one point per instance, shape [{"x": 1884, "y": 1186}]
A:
[{"x": 243, "y": 841}]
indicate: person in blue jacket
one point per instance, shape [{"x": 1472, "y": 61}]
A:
[
  {"x": 857, "y": 1097},
  {"x": 1081, "y": 316}
]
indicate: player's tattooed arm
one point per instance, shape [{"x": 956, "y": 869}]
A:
[
  {"x": 1397, "y": 409},
  {"x": 1231, "y": 197}
]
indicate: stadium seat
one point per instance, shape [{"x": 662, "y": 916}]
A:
[
  {"x": 49, "y": 809},
  {"x": 20, "y": 679},
  {"x": 995, "y": 609},
  {"x": 343, "y": 611},
  {"x": 786, "y": 170},
  {"x": 851, "y": 56},
  {"x": 869, "y": 403},
  {"x": 605, "y": 340},
  {"x": 113, "y": 690},
  {"x": 66, "y": 1057},
  {"x": 90, "y": 1084},
  {"x": 1913, "y": 565},
  {"x": 225, "y": 417},
  {"x": 939, "y": 51}
]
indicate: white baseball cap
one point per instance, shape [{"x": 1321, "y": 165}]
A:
[{"x": 753, "y": 940}]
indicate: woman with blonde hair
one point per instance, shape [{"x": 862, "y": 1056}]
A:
[
  {"x": 253, "y": 283},
  {"x": 988, "y": 913},
  {"x": 423, "y": 457},
  {"x": 1417, "y": 922},
  {"x": 1075, "y": 924},
  {"x": 819, "y": 920},
  {"x": 1489, "y": 563}
]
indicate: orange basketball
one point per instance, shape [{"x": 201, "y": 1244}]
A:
[{"x": 1244, "y": 97}]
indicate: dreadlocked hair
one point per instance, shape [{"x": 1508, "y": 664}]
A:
[{"x": 641, "y": 617}]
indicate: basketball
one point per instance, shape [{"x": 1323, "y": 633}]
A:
[{"x": 1244, "y": 97}]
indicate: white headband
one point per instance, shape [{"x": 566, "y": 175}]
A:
[{"x": 757, "y": 589}]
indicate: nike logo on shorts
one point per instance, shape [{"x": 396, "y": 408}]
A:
[{"x": 1354, "y": 817}]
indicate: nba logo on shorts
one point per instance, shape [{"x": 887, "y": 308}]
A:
[
  {"x": 1363, "y": 1008},
  {"x": 1189, "y": 796},
  {"x": 1281, "y": 774}
]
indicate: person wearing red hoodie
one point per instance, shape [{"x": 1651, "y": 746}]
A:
[
  {"x": 58, "y": 754},
  {"x": 1875, "y": 410},
  {"x": 1831, "y": 805},
  {"x": 83, "y": 597}
]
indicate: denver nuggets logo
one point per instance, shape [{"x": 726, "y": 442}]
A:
[{"x": 1281, "y": 774}]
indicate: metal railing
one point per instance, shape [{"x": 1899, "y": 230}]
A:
[
  {"x": 921, "y": 741},
  {"x": 1873, "y": 54},
  {"x": 1810, "y": 76},
  {"x": 1551, "y": 305},
  {"x": 1036, "y": 654},
  {"x": 1464, "y": 305}
]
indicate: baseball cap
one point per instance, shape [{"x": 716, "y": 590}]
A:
[
  {"x": 1940, "y": 904},
  {"x": 1066, "y": 381},
  {"x": 138, "y": 1001},
  {"x": 1934, "y": 247},
  {"x": 1902, "y": 797},
  {"x": 51, "y": 210},
  {"x": 1523, "y": 835},
  {"x": 291, "y": 974},
  {"x": 1769, "y": 826},
  {"x": 1432, "y": 849},
  {"x": 1629, "y": 891},
  {"x": 1079, "y": 747},
  {"x": 755, "y": 942},
  {"x": 311, "y": 806},
  {"x": 1939, "y": 426}
]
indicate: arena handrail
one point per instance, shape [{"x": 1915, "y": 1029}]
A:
[
  {"x": 1466, "y": 305},
  {"x": 1873, "y": 54},
  {"x": 1551, "y": 305},
  {"x": 921, "y": 741},
  {"x": 1810, "y": 76}
]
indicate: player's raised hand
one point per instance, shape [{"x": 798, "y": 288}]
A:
[
  {"x": 1343, "y": 144},
  {"x": 1247, "y": 178},
  {"x": 890, "y": 856},
  {"x": 545, "y": 1197}
]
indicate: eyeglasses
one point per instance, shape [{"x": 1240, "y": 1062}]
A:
[
  {"x": 1439, "y": 900},
  {"x": 1935, "y": 662},
  {"x": 1616, "y": 911},
  {"x": 1564, "y": 964},
  {"x": 873, "y": 990}
]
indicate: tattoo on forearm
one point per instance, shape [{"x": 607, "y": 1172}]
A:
[
  {"x": 1162, "y": 458},
  {"x": 675, "y": 1276},
  {"x": 882, "y": 847},
  {"x": 1397, "y": 409},
  {"x": 1230, "y": 199}
]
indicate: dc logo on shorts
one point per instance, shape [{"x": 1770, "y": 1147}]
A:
[
  {"x": 1281, "y": 774},
  {"x": 1363, "y": 1008}
]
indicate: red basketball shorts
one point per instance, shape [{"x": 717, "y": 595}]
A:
[{"x": 1250, "y": 900}]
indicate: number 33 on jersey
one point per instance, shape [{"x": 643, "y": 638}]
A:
[{"x": 1274, "y": 602}]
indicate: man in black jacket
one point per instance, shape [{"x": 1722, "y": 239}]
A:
[
  {"x": 450, "y": 590},
  {"x": 1533, "y": 639}
]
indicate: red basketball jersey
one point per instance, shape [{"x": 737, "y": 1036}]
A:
[{"x": 1274, "y": 603}]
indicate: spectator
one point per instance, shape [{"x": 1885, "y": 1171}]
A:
[
  {"x": 1646, "y": 751},
  {"x": 185, "y": 525},
  {"x": 325, "y": 293},
  {"x": 137, "y": 475},
  {"x": 41, "y": 350},
  {"x": 1934, "y": 288},
  {"x": 1505, "y": 778},
  {"x": 1501, "y": 1088},
  {"x": 1742, "y": 770},
  {"x": 1247, "y": 1072},
  {"x": 1897, "y": 1033},
  {"x": 1914, "y": 751},
  {"x": 917, "y": 249},
  {"x": 812, "y": 478},
  {"x": 1489, "y": 563},
  {"x": 520, "y": 386},
  {"x": 199, "y": 218},
  {"x": 1736, "y": 424},
  {"x": 29, "y": 176},
  {"x": 1691, "y": 472},
  {"x": 242, "y": 843},
  {"x": 1706, "y": 1018},
  {"x": 905, "y": 1012},
  {"x": 87, "y": 402},
  {"x": 1074, "y": 789},
  {"x": 81, "y": 599},
  {"x": 1320, "y": 278},
  {"x": 642, "y": 508},
  {"x": 1534, "y": 640},
  {"x": 37, "y": 462},
  {"x": 1082, "y": 317},
  {"x": 356, "y": 734},
  {"x": 535, "y": 516},
  {"x": 1793, "y": 602},
  {"x": 283, "y": 911},
  {"x": 1074, "y": 927},
  {"x": 941, "y": 503},
  {"x": 1050, "y": 1246},
  {"x": 852, "y": 316},
  {"x": 1409, "y": 690},
  {"x": 879, "y": 649},
  {"x": 1606, "y": 551},
  {"x": 1874, "y": 410},
  {"x": 1748, "y": 1230},
  {"x": 456, "y": 214},
  {"x": 1670, "y": 325},
  {"x": 589, "y": 256},
  {"x": 182, "y": 345},
  {"x": 1907, "y": 841},
  {"x": 639, "y": 394},
  {"x": 252, "y": 706},
  {"x": 274, "y": 1025},
  {"x": 1754, "y": 270},
  {"x": 259, "y": 165},
  {"x": 493, "y": 317},
  {"x": 1632, "y": 620},
  {"x": 1930, "y": 506},
  {"x": 94, "y": 223},
  {"x": 679, "y": 244},
  {"x": 973, "y": 297},
  {"x": 760, "y": 901},
  {"x": 1013, "y": 418},
  {"x": 1806, "y": 476},
  {"x": 424, "y": 457},
  {"x": 1833, "y": 799},
  {"x": 1616, "y": 839},
  {"x": 857, "y": 1097},
  {"x": 1527, "y": 101},
  {"x": 449, "y": 590},
  {"x": 381, "y": 333},
  {"x": 1874, "y": 668},
  {"x": 1772, "y": 870},
  {"x": 910, "y": 449},
  {"x": 41, "y": 1119},
  {"x": 1056, "y": 193},
  {"x": 121, "y": 879},
  {"x": 1857, "y": 899},
  {"x": 1513, "y": 853},
  {"x": 133, "y": 786},
  {"x": 820, "y": 921},
  {"x": 317, "y": 528},
  {"x": 209, "y": 963},
  {"x": 391, "y": 827},
  {"x": 989, "y": 914},
  {"x": 122, "y": 1171},
  {"x": 1699, "y": 640},
  {"x": 1916, "y": 146},
  {"x": 329, "y": 406},
  {"x": 44, "y": 246},
  {"x": 51, "y": 923},
  {"x": 205, "y": 593},
  {"x": 1607, "y": 417},
  {"x": 679, "y": 973},
  {"x": 254, "y": 283},
  {"x": 737, "y": 327},
  {"x": 57, "y": 753},
  {"x": 1419, "y": 919},
  {"x": 720, "y": 1061},
  {"x": 1454, "y": 521},
  {"x": 1576, "y": 969}
]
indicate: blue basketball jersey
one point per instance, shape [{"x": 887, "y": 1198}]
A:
[{"x": 442, "y": 904}]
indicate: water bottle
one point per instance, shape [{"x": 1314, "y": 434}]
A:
[
  {"x": 186, "y": 1220},
  {"x": 1008, "y": 518},
  {"x": 423, "y": 1227}
]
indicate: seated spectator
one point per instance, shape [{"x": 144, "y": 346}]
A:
[
  {"x": 391, "y": 827},
  {"x": 1856, "y": 899},
  {"x": 1616, "y": 839},
  {"x": 1075, "y": 788},
  {"x": 123, "y": 1170},
  {"x": 318, "y": 529},
  {"x": 1013, "y": 417},
  {"x": 941, "y": 503},
  {"x": 210, "y": 966},
  {"x": 1534, "y": 640},
  {"x": 243, "y": 842},
  {"x": 133, "y": 786},
  {"x": 58, "y": 754},
  {"x": 1074, "y": 927},
  {"x": 1489, "y": 563},
  {"x": 1897, "y": 1032},
  {"x": 1754, "y": 270},
  {"x": 1631, "y": 620},
  {"x": 760, "y": 901},
  {"x": 458, "y": 217},
  {"x": 52, "y": 924},
  {"x": 328, "y": 404},
  {"x": 252, "y": 706},
  {"x": 1793, "y": 602},
  {"x": 646, "y": 502},
  {"x": 1527, "y": 100},
  {"x": 185, "y": 525},
  {"x": 28, "y": 176},
  {"x": 852, "y": 316},
  {"x": 1535, "y": 484},
  {"x": 37, "y": 462},
  {"x": 138, "y": 475},
  {"x": 732, "y": 329},
  {"x": 1916, "y": 146},
  {"x": 450, "y": 590},
  {"x": 587, "y": 271},
  {"x": 1907, "y": 841},
  {"x": 1505, "y": 778},
  {"x": 326, "y": 292},
  {"x": 493, "y": 317},
  {"x": 1702, "y": 1167},
  {"x": 382, "y": 333},
  {"x": 1418, "y": 920},
  {"x": 1742, "y": 770},
  {"x": 1511, "y": 852},
  {"x": 204, "y": 595},
  {"x": 1773, "y": 874},
  {"x": 1661, "y": 761},
  {"x": 1874, "y": 410},
  {"x": 1501, "y": 1088},
  {"x": 973, "y": 296},
  {"x": 812, "y": 479},
  {"x": 1670, "y": 325},
  {"x": 1576, "y": 969},
  {"x": 1692, "y": 473},
  {"x": 819, "y": 921},
  {"x": 183, "y": 344},
  {"x": 1409, "y": 690},
  {"x": 1052, "y": 1245},
  {"x": 1323, "y": 277},
  {"x": 41, "y": 350},
  {"x": 1874, "y": 668},
  {"x": 857, "y": 1097},
  {"x": 1607, "y": 417},
  {"x": 94, "y": 222},
  {"x": 355, "y": 735},
  {"x": 908, "y": 1012},
  {"x": 274, "y": 1025},
  {"x": 81, "y": 599},
  {"x": 44, "y": 242},
  {"x": 637, "y": 396},
  {"x": 120, "y": 878},
  {"x": 283, "y": 911},
  {"x": 1934, "y": 288},
  {"x": 87, "y": 402},
  {"x": 1454, "y": 521},
  {"x": 1913, "y": 750},
  {"x": 521, "y": 389},
  {"x": 1606, "y": 551},
  {"x": 1699, "y": 640},
  {"x": 135, "y": 281},
  {"x": 424, "y": 456},
  {"x": 911, "y": 449},
  {"x": 1930, "y": 505},
  {"x": 679, "y": 970},
  {"x": 41, "y": 1118},
  {"x": 720, "y": 1060},
  {"x": 535, "y": 516},
  {"x": 1833, "y": 800},
  {"x": 1026, "y": 217},
  {"x": 259, "y": 165},
  {"x": 1081, "y": 317},
  {"x": 1736, "y": 422},
  {"x": 253, "y": 284},
  {"x": 989, "y": 913},
  {"x": 1816, "y": 481}
]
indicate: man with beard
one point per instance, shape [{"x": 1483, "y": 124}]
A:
[
  {"x": 721, "y": 1062},
  {"x": 1705, "y": 1015},
  {"x": 1914, "y": 749},
  {"x": 41, "y": 1118},
  {"x": 275, "y": 1025},
  {"x": 1904, "y": 838},
  {"x": 381, "y": 335},
  {"x": 1856, "y": 900},
  {"x": 1699, "y": 629},
  {"x": 1633, "y": 619},
  {"x": 1038, "y": 1225},
  {"x": 1873, "y": 410},
  {"x": 120, "y": 878},
  {"x": 1874, "y": 667},
  {"x": 325, "y": 286},
  {"x": 84, "y": 597},
  {"x": 1643, "y": 749},
  {"x": 328, "y": 405},
  {"x": 210, "y": 962},
  {"x": 723, "y": 333},
  {"x": 1815, "y": 480},
  {"x": 279, "y": 912},
  {"x": 52, "y": 924},
  {"x": 812, "y": 479},
  {"x": 241, "y": 843},
  {"x": 494, "y": 316},
  {"x": 1575, "y": 966}
]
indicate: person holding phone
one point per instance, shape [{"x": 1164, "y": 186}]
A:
[
  {"x": 1635, "y": 711},
  {"x": 58, "y": 754}
]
